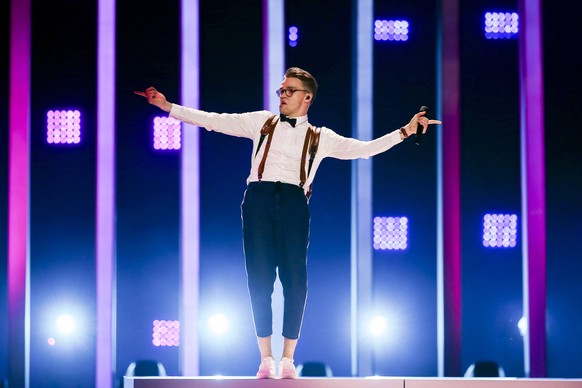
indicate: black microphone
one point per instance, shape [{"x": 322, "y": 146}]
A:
[{"x": 419, "y": 127}]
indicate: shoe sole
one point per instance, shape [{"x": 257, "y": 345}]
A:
[
  {"x": 263, "y": 376},
  {"x": 290, "y": 375}
]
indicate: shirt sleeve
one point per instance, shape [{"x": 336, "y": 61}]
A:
[
  {"x": 234, "y": 124},
  {"x": 340, "y": 147}
]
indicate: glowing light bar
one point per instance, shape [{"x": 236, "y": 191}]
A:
[
  {"x": 166, "y": 333},
  {"x": 293, "y": 36},
  {"x": 167, "y": 133},
  {"x": 63, "y": 126},
  {"x": 392, "y": 30},
  {"x": 390, "y": 233},
  {"x": 522, "y": 326},
  {"x": 501, "y": 25},
  {"x": 499, "y": 230}
]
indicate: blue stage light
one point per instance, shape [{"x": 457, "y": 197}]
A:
[
  {"x": 500, "y": 230},
  {"x": 390, "y": 233},
  {"x": 391, "y": 30},
  {"x": 501, "y": 25},
  {"x": 293, "y": 36}
]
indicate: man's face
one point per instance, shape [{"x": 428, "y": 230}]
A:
[{"x": 298, "y": 103}]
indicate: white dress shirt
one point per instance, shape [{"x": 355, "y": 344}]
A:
[{"x": 284, "y": 159}]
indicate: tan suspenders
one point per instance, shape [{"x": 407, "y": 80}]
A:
[
  {"x": 267, "y": 130},
  {"x": 311, "y": 143}
]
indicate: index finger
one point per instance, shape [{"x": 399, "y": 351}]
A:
[{"x": 139, "y": 93}]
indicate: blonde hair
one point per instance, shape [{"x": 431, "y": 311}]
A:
[{"x": 305, "y": 77}]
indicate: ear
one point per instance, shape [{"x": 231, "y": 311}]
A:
[{"x": 308, "y": 97}]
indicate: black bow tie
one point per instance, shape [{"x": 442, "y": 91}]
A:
[{"x": 288, "y": 119}]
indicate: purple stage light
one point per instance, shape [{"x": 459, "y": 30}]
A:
[
  {"x": 499, "y": 230},
  {"x": 293, "y": 36},
  {"x": 392, "y": 30},
  {"x": 166, "y": 333},
  {"x": 390, "y": 233},
  {"x": 501, "y": 25},
  {"x": 167, "y": 133},
  {"x": 63, "y": 126}
]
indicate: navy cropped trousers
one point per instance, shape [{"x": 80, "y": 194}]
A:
[{"x": 275, "y": 219}]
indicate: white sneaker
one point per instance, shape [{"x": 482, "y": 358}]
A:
[
  {"x": 267, "y": 369},
  {"x": 287, "y": 369}
]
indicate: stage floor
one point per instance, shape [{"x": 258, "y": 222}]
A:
[{"x": 376, "y": 382}]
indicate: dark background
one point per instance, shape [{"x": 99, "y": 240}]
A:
[{"x": 148, "y": 182}]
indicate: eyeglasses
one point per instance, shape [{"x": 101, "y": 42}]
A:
[{"x": 289, "y": 92}]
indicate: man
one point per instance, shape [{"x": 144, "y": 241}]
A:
[{"x": 275, "y": 208}]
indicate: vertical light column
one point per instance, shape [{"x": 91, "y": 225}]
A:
[
  {"x": 361, "y": 205},
  {"x": 190, "y": 192},
  {"x": 273, "y": 51},
  {"x": 273, "y": 70},
  {"x": 533, "y": 200},
  {"x": 18, "y": 196},
  {"x": 449, "y": 192},
  {"x": 105, "y": 197}
]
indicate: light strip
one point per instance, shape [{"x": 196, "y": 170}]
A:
[
  {"x": 449, "y": 193},
  {"x": 18, "y": 196},
  {"x": 105, "y": 197},
  {"x": 533, "y": 181},
  {"x": 273, "y": 51},
  {"x": 361, "y": 191},
  {"x": 190, "y": 191}
]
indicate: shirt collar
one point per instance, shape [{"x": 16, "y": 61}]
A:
[{"x": 300, "y": 120}]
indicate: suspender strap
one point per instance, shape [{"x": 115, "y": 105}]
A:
[
  {"x": 311, "y": 142},
  {"x": 302, "y": 177},
  {"x": 267, "y": 130},
  {"x": 313, "y": 148},
  {"x": 268, "y": 127}
]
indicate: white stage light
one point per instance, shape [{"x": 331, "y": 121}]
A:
[
  {"x": 218, "y": 324},
  {"x": 66, "y": 324},
  {"x": 378, "y": 325}
]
